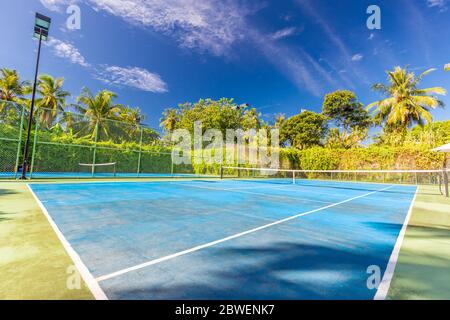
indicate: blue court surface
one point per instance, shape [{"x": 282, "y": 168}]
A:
[{"x": 230, "y": 239}]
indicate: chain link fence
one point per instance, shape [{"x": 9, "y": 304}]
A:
[
  {"x": 11, "y": 138},
  {"x": 70, "y": 145}
]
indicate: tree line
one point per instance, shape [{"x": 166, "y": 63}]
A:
[
  {"x": 344, "y": 121},
  {"x": 99, "y": 114}
]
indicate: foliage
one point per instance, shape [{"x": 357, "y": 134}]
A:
[
  {"x": 222, "y": 114},
  {"x": 52, "y": 98},
  {"x": 344, "y": 139},
  {"x": 431, "y": 135},
  {"x": 11, "y": 87},
  {"x": 98, "y": 109},
  {"x": 405, "y": 103},
  {"x": 303, "y": 130},
  {"x": 344, "y": 109}
]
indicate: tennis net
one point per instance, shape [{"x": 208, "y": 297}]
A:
[
  {"x": 285, "y": 176},
  {"x": 98, "y": 169}
]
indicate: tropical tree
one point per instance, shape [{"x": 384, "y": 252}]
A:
[
  {"x": 405, "y": 103},
  {"x": 344, "y": 139},
  {"x": 169, "y": 119},
  {"x": 304, "y": 130},
  {"x": 12, "y": 88},
  {"x": 343, "y": 108},
  {"x": 131, "y": 115},
  {"x": 99, "y": 110},
  {"x": 279, "y": 120},
  {"x": 52, "y": 98},
  {"x": 219, "y": 114}
]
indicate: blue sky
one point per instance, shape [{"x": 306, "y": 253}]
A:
[{"x": 278, "y": 56}]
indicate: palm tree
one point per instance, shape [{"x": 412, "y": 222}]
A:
[
  {"x": 169, "y": 119},
  {"x": 98, "y": 109},
  {"x": 130, "y": 123},
  {"x": 11, "y": 88},
  {"x": 406, "y": 103},
  {"x": 52, "y": 98},
  {"x": 131, "y": 115}
]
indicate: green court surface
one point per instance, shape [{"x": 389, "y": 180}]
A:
[
  {"x": 33, "y": 262},
  {"x": 423, "y": 267}
]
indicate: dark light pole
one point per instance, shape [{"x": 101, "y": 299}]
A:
[{"x": 41, "y": 27}]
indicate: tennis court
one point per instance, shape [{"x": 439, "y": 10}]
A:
[{"x": 229, "y": 239}]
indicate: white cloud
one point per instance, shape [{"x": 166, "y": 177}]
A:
[
  {"x": 291, "y": 64},
  {"x": 67, "y": 50},
  {"x": 211, "y": 26},
  {"x": 283, "y": 33},
  {"x": 57, "y": 5},
  {"x": 134, "y": 77},
  {"x": 357, "y": 57},
  {"x": 436, "y": 3}
]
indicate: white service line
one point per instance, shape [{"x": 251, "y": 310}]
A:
[
  {"x": 209, "y": 244},
  {"x": 81, "y": 267},
  {"x": 383, "y": 288}
]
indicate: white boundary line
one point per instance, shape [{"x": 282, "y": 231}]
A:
[
  {"x": 209, "y": 244},
  {"x": 383, "y": 288},
  {"x": 85, "y": 274}
]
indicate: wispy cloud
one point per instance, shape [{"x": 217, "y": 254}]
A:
[
  {"x": 331, "y": 34},
  {"x": 211, "y": 26},
  {"x": 357, "y": 57},
  {"x": 57, "y": 5},
  {"x": 291, "y": 64},
  {"x": 67, "y": 50},
  {"x": 284, "y": 33},
  {"x": 132, "y": 77},
  {"x": 215, "y": 26},
  {"x": 419, "y": 26},
  {"x": 441, "y": 4}
]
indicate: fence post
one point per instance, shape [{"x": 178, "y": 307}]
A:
[
  {"x": 140, "y": 152},
  {"x": 95, "y": 149},
  {"x": 19, "y": 145},
  {"x": 33, "y": 155}
]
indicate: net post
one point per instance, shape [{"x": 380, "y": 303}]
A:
[
  {"x": 140, "y": 152},
  {"x": 293, "y": 176},
  {"x": 221, "y": 172},
  {"x": 114, "y": 169},
  {"x": 95, "y": 149}
]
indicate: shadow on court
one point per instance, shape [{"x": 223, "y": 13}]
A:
[
  {"x": 281, "y": 271},
  {"x": 4, "y": 192}
]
